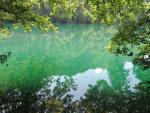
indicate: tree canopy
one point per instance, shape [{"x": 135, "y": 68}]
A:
[
  {"x": 133, "y": 38},
  {"x": 21, "y": 14}
]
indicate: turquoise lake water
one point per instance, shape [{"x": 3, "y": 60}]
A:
[{"x": 70, "y": 71}]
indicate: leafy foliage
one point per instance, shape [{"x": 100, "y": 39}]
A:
[
  {"x": 106, "y": 11},
  {"x": 20, "y": 13},
  {"x": 133, "y": 39},
  {"x": 111, "y": 11}
]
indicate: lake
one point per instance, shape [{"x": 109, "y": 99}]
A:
[{"x": 70, "y": 71}]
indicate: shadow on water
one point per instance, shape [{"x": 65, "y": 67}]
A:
[
  {"x": 4, "y": 57},
  {"x": 70, "y": 71}
]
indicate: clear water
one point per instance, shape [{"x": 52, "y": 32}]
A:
[{"x": 70, "y": 72}]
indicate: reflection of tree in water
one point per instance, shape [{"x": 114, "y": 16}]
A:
[
  {"x": 55, "y": 98},
  {"x": 101, "y": 98},
  {"x": 4, "y": 57},
  {"x": 18, "y": 101},
  {"x": 28, "y": 100}
]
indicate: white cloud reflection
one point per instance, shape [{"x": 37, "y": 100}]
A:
[
  {"x": 89, "y": 77},
  {"x": 131, "y": 77},
  {"x": 83, "y": 80}
]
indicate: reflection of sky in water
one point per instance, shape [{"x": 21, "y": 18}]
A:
[
  {"x": 91, "y": 76},
  {"x": 131, "y": 78},
  {"x": 88, "y": 77}
]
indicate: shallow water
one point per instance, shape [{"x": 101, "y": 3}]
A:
[{"x": 69, "y": 71}]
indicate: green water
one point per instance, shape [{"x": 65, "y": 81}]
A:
[{"x": 69, "y": 71}]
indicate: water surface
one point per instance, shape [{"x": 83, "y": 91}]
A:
[{"x": 70, "y": 71}]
